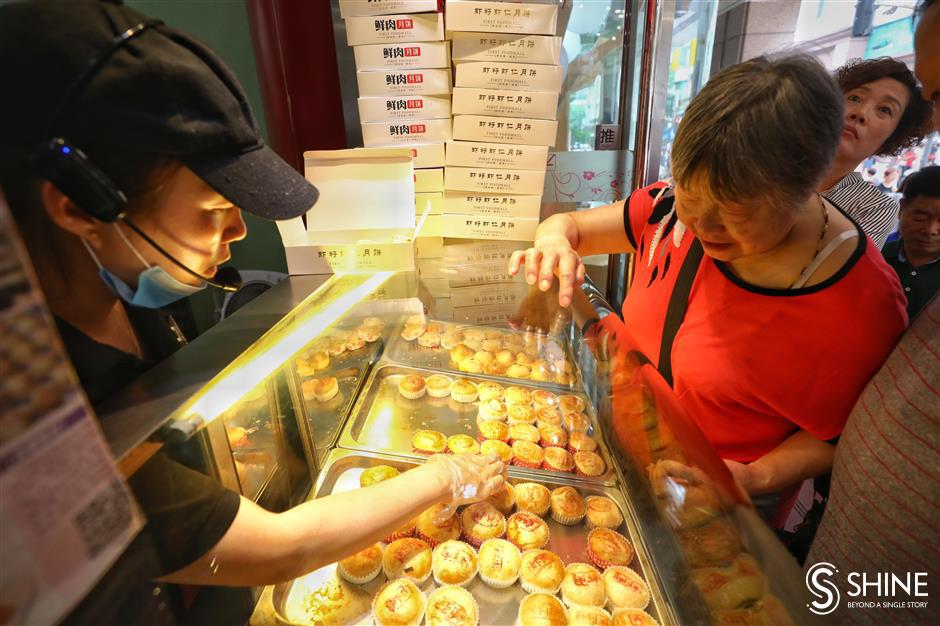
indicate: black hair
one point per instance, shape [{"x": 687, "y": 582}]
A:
[
  {"x": 757, "y": 119},
  {"x": 925, "y": 182}
]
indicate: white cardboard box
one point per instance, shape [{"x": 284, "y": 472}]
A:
[
  {"x": 427, "y": 155},
  {"x": 381, "y": 134},
  {"x": 430, "y": 180},
  {"x": 403, "y": 108},
  {"x": 501, "y": 17},
  {"x": 512, "y": 76},
  {"x": 375, "y": 232},
  {"x": 492, "y": 205},
  {"x": 356, "y": 8},
  {"x": 391, "y": 56},
  {"x": 541, "y": 105},
  {"x": 398, "y": 28},
  {"x": 515, "y": 130},
  {"x": 493, "y": 293},
  {"x": 428, "y": 247},
  {"x": 417, "y": 82},
  {"x": 496, "y": 155},
  {"x": 432, "y": 202},
  {"x": 522, "y": 182},
  {"x": 506, "y": 48},
  {"x": 483, "y": 227}
]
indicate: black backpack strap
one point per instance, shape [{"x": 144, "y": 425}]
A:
[{"x": 678, "y": 303}]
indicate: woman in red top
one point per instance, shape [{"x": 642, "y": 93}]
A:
[{"x": 790, "y": 311}]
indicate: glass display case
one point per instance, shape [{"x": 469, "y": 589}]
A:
[{"x": 322, "y": 395}]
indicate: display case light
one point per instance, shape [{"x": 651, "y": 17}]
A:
[{"x": 327, "y": 304}]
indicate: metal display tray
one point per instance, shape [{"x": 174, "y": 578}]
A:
[
  {"x": 497, "y": 606},
  {"x": 325, "y": 419},
  {"x": 382, "y": 420},
  {"x": 411, "y": 354}
]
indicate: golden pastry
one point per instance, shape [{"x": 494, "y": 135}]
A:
[
  {"x": 499, "y": 563},
  {"x": 589, "y": 616},
  {"x": 471, "y": 366},
  {"x": 518, "y": 371},
  {"x": 499, "y": 448},
  {"x": 517, "y": 395},
  {"x": 429, "y": 340},
  {"x": 524, "y": 432},
  {"x": 369, "y": 334},
  {"x": 625, "y": 588},
  {"x": 488, "y": 391},
  {"x": 451, "y": 606},
  {"x": 713, "y": 544},
  {"x": 576, "y": 422},
  {"x": 493, "y": 335},
  {"x": 525, "y": 359},
  {"x": 553, "y": 436},
  {"x": 455, "y": 563},
  {"x": 462, "y": 444},
  {"x": 602, "y": 512},
  {"x": 408, "y": 557},
  {"x": 481, "y": 521},
  {"x": 450, "y": 339},
  {"x": 568, "y": 402},
  {"x": 505, "y": 358},
  {"x": 583, "y": 585},
  {"x": 412, "y": 332},
  {"x": 541, "y": 609},
  {"x": 433, "y": 530},
  {"x": 320, "y": 389},
  {"x": 464, "y": 391},
  {"x": 363, "y": 566},
  {"x": 412, "y": 387},
  {"x": 533, "y": 498},
  {"x": 493, "y": 409},
  {"x": 460, "y": 352},
  {"x": 521, "y": 414},
  {"x": 428, "y": 442},
  {"x": 542, "y": 398},
  {"x": 336, "y": 602},
  {"x": 541, "y": 572},
  {"x": 527, "y": 531},
  {"x": 736, "y": 585},
  {"x": 377, "y": 474},
  {"x": 558, "y": 460},
  {"x": 438, "y": 385},
  {"x": 589, "y": 464},
  {"x": 527, "y": 454},
  {"x": 492, "y": 429},
  {"x": 495, "y": 369},
  {"x": 579, "y": 441},
  {"x": 354, "y": 343},
  {"x": 484, "y": 357},
  {"x": 568, "y": 507},
  {"x": 473, "y": 333},
  {"x": 504, "y": 500},
  {"x": 398, "y": 603},
  {"x": 406, "y": 530},
  {"x": 633, "y": 617},
  {"x": 548, "y": 416},
  {"x": 565, "y": 379},
  {"x": 540, "y": 371},
  {"x": 608, "y": 547}
]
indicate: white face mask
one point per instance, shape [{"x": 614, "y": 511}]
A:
[{"x": 155, "y": 286}]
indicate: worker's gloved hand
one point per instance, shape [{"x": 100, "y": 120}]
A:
[{"x": 471, "y": 478}]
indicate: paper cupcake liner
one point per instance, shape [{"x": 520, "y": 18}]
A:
[
  {"x": 438, "y": 393},
  {"x": 417, "y": 621},
  {"x": 477, "y": 542},
  {"x": 539, "y": 512},
  {"x": 577, "y": 471},
  {"x": 481, "y": 438},
  {"x": 489, "y": 417},
  {"x": 638, "y": 605},
  {"x": 361, "y": 580},
  {"x": 465, "y": 583},
  {"x": 552, "y": 468},
  {"x": 475, "y": 603},
  {"x": 602, "y": 563},
  {"x": 467, "y": 450},
  {"x": 602, "y": 609},
  {"x": 428, "y": 540},
  {"x": 413, "y": 395},
  {"x": 398, "y": 535},
  {"x": 567, "y": 520},
  {"x": 529, "y": 587},
  {"x": 499, "y": 584},
  {"x": 463, "y": 397},
  {"x": 527, "y": 464},
  {"x": 424, "y": 452},
  {"x": 591, "y": 524}
]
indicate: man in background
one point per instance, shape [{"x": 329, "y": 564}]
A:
[{"x": 915, "y": 256}]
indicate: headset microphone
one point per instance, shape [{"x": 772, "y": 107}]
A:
[{"x": 226, "y": 279}]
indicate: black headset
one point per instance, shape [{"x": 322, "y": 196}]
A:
[{"x": 88, "y": 186}]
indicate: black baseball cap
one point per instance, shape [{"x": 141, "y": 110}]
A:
[{"x": 162, "y": 93}]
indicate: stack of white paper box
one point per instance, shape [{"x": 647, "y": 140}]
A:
[
  {"x": 505, "y": 99},
  {"x": 404, "y": 77}
]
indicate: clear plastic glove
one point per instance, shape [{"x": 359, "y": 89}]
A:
[
  {"x": 547, "y": 257},
  {"x": 471, "y": 478}
]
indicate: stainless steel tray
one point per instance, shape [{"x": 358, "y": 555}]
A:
[
  {"x": 411, "y": 354},
  {"x": 384, "y": 421},
  {"x": 497, "y": 606},
  {"x": 325, "y": 419}
]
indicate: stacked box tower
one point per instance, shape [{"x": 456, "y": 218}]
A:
[
  {"x": 403, "y": 71},
  {"x": 505, "y": 99}
]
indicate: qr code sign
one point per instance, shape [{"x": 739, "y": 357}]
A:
[{"x": 104, "y": 518}]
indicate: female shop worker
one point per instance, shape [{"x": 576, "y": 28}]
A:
[
  {"x": 102, "y": 105},
  {"x": 884, "y": 114},
  {"x": 789, "y": 310}
]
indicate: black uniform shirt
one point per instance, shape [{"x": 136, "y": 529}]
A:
[{"x": 919, "y": 283}]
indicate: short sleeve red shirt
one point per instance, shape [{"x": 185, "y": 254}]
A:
[{"x": 753, "y": 365}]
